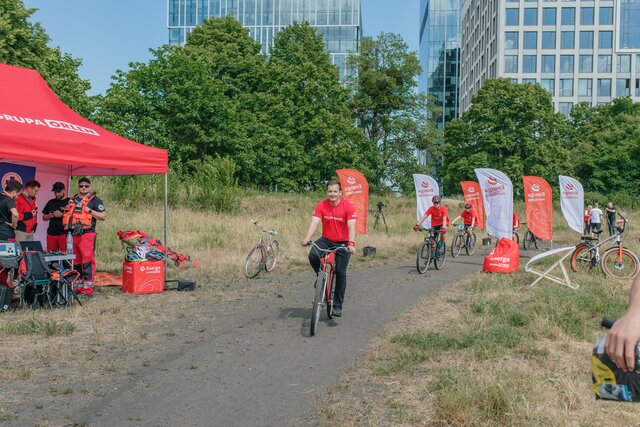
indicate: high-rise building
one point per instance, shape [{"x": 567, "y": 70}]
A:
[
  {"x": 439, "y": 54},
  {"x": 580, "y": 51},
  {"x": 339, "y": 21}
]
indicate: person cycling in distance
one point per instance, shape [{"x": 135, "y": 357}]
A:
[
  {"x": 469, "y": 218},
  {"x": 439, "y": 217},
  {"x": 338, "y": 218}
]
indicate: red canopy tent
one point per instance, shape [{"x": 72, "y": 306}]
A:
[{"x": 40, "y": 131}]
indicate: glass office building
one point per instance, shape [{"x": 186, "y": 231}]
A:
[
  {"x": 339, "y": 21},
  {"x": 440, "y": 54}
]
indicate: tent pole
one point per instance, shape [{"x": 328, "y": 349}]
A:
[{"x": 166, "y": 204}]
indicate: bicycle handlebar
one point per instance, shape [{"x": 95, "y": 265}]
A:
[
  {"x": 607, "y": 322},
  {"x": 318, "y": 248},
  {"x": 257, "y": 224}
]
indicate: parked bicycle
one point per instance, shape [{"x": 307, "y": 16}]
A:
[
  {"x": 433, "y": 248},
  {"x": 463, "y": 239},
  {"x": 530, "y": 240},
  {"x": 264, "y": 255},
  {"x": 616, "y": 261},
  {"x": 325, "y": 284}
]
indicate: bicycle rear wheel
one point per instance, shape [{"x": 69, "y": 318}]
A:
[
  {"x": 582, "y": 258},
  {"x": 255, "y": 262},
  {"x": 623, "y": 265},
  {"x": 456, "y": 245},
  {"x": 273, "y": 250},
  {"x": 471, "y": 244},
  {"x": 526, "y": 243},
  {"x": 424, "y": 257},
  {"x": 441, "y": 253},
  {"x": 318, "y": 301}
]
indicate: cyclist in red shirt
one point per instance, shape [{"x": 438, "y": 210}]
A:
[
  {"x": 469, "y": 218},
  {"x": 338, "y": 218},
  {"x": 439, "y": 217}
]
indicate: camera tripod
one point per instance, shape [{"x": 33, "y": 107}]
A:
[{"x": 380, "y": 214}]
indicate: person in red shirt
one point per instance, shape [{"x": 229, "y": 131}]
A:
[
  {"x": 439, "y": 217},
  {"x": 469, "y": 218},
  {"x": 27, "y": 211},
  {"x": 338, "y": 218}
]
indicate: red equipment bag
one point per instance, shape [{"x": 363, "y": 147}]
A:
[{"x": 504, "y": 258}]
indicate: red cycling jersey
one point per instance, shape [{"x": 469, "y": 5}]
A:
[
  {"x": 516, "y": 220},
  {"x": 468, "y": 216},
  {"x": 437, "y": 215},
  {"x": 334, "y": 219}
]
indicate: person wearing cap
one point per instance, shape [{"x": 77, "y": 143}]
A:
[
  {"x": 27, "y": 211},
  {"x": 80, "y": 216},
  {"x": 52, "y": 212}
]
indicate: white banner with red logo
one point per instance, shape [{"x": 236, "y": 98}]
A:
[
  {"x": 473, "y": 196},
  {"x": 572, "y": 202},
  {"x": 497, "y": 195},
  {"x": 355, "y": 189},
  {"x": 538, "y": 201},
  {"x": 426, "y": 188}
]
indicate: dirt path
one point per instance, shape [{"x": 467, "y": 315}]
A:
[{"x": 251, "y": 362}]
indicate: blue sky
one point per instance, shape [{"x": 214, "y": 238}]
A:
[{"x": 109, "y": 34}]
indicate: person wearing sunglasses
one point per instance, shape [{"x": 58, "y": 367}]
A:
[
  {"x": 80, "y": 216},
  {"x": 439, "y": 218}
]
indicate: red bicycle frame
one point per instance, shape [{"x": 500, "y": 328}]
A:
[{"x": 328, "y": 261}]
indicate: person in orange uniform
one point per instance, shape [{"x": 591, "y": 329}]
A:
[
  {"x": 80, "y": 216},
  {"x": 439, "y": 217},
  {"x": 27, "y": 211}
]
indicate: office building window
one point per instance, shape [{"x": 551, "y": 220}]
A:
[
  {"x": 529, "y": 63},
  {"x": 585, "y": 87},
  {"x": 605, "y": 39},
  {"x": 586, "y": 39},
  {"x": 567, "y": 40},
  {"x": 606, "y": 16},
  {"x": 530, "y": 16},
  {"x": 513, "y": 1},
  {"x": 566, "y": 87},
  {"x": 549, "y": 16},
  {"x": 549, "y": 85},
  {"x": 511, "y": 63},
  {"x": 623, "y": 87},
  {"x": 638, "y": 64},
  {"x": 530, "y": 40},
  {"x": 514, "y": 81},
  {"x": 548, "y": 64},
  {"x": 604, "y": 63},
  {"x": 512, "y": 16},
  {"x": 586, "y": 16},
  {"x": 511, "y": 40},
  {"x": 604, "y": 87},
  {"x": 637, "y": 87},
  {"x": 566, "y": 63},
  {"x": 529, "y": 81},
  {"x": 623, "y": 64},
  {"x": 565, "y": 108},
  {"x": 586, "y": 64},
  {"x": 548, "y": 39},
  {"x": 629, "y": 24},
  {"x": 568, "y": 16}
]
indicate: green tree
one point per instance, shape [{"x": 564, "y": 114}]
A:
[
  {"x": 395, "y": 119},
  {"x": 510, "y": 127},
  {"x": 24, "y": 44}
]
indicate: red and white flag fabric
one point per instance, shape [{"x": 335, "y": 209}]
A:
[
  {"x": 572, "y": 202},
  {"x": 473, "y": 196},
  {"x": 426, "y": 188},
  {"x": 539, "y": 205},
  {"x": 355, "y": 189},
  {"x": 497, "y": 195}
]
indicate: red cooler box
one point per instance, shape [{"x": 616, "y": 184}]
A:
[{"x": 146, "y": 277}]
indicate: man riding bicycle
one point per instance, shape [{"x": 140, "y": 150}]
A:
[
  {"x": 338, "y": 218},
  {"x": 469, "y": 218},
  {"x": 439, "y": 217}
]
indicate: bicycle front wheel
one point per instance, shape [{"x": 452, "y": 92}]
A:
[
  {"x": 620, "y": 263},
  {"x": 516, "y": 238},
  {"x": 527, "y": 242},
  {"x": 254, "y": 263},
  {"x": 318, "y": 302},
  {"x": 456, "y": 245},
  {"x": 441, "y": 253},
  {"x": 273, "y": 250},
  {"x": 582, "y": 258},
  {"x": 330, "y": 295},
  {"x": 424, "y": 257},
  {"x": 471, "y": 244}
]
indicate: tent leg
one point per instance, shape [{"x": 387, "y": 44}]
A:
[{"x": 166, "y": 204}]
